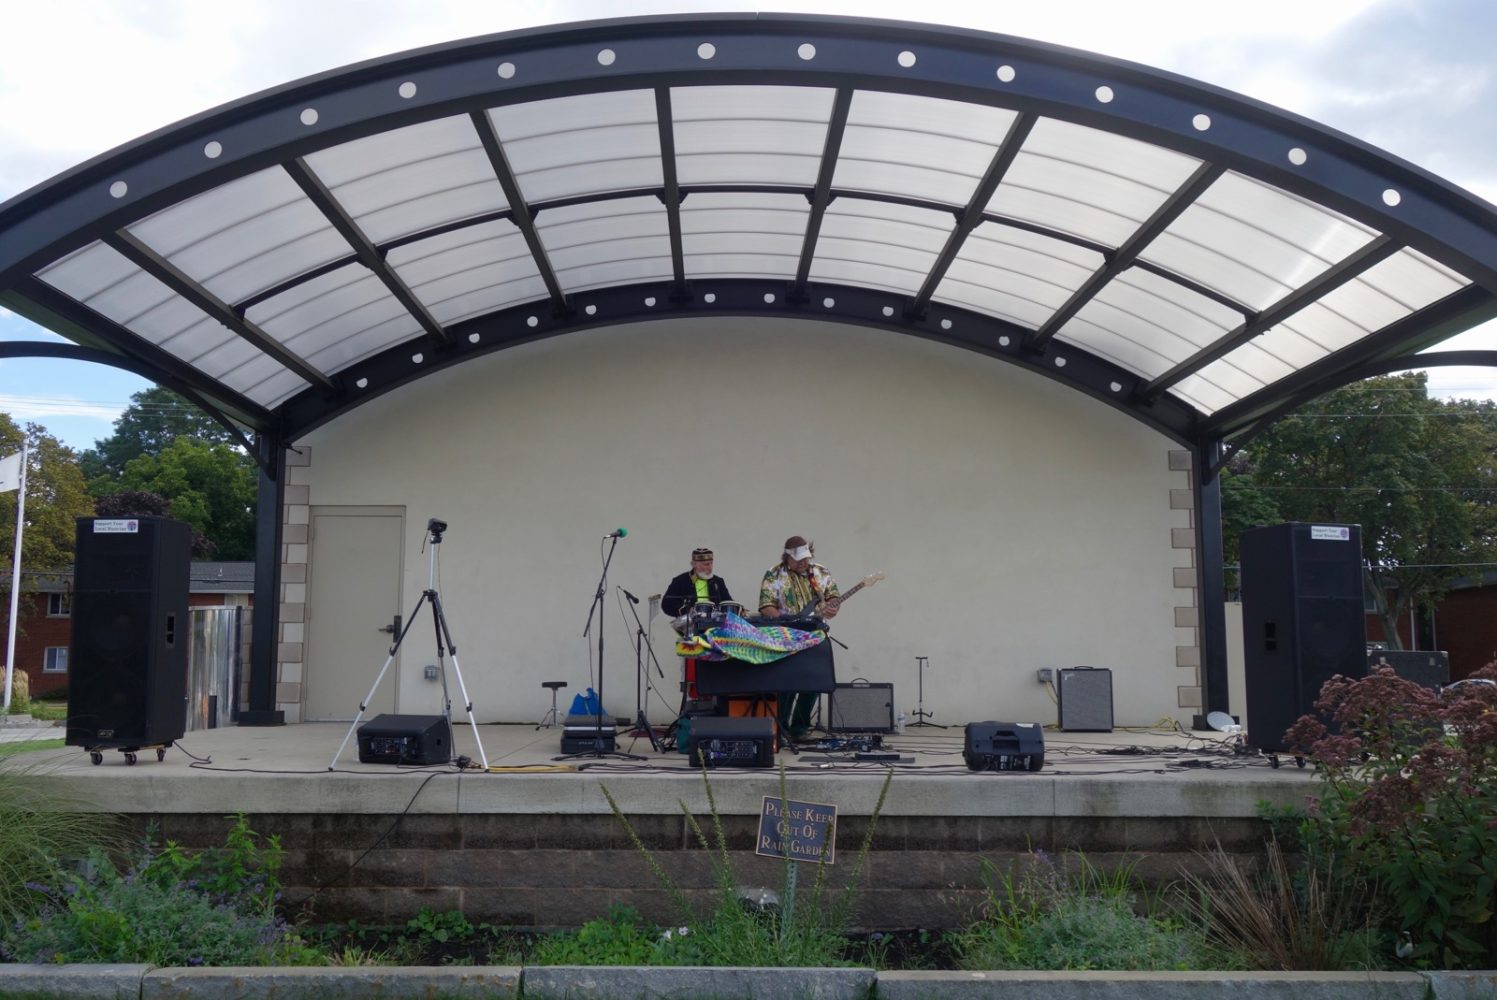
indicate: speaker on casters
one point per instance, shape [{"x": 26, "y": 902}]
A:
[
  {"x": 1303, "y": 621},
  {"x": 127, "y": 662}
]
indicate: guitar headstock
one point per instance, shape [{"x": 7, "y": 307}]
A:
[{"x": 871, "y": 579}]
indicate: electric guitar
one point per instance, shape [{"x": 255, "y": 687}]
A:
[{"x": 813, "y": 609}]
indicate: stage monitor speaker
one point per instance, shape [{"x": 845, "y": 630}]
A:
[
  {"x": 720, "y": 741},
  {"x": 1303, "y": 621},
  {"x": 1084, "y": 696},
  {"x": 1004, "y": 746},
  {"x": 861, "y": 707},
  {"x": 1427, "y": 668},
  {"x": 405, "y": 739},
  {"x": 127, "y": 659}
]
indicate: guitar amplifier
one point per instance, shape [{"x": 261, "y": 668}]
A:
[
  {"x": 1084, "y": 695},
  {"x": 745, "y": 741},
  {"x": 405, "y": 739},
  {"x": 862, "y": 707},
  {"x": 1004, "y": 746}
]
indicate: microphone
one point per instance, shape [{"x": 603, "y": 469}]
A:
[
  {"x": 632, "y": 598},
  {"x": 617, "y": 533}
]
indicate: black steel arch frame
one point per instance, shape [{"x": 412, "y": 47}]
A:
[{"x": 99, "y": 199}]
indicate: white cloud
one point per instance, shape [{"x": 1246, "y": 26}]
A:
[{"x": 35, "y": 407}]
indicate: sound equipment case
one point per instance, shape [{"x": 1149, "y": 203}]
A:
[{"x": 720, "y": 741}]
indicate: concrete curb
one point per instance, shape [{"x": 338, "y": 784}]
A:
[
  {"x": 1151, "y": 985},
  {"x": 249, "y": 983},
  {"x": 634, "y": 982},
  {"x": 118, "y": 982},
  {"x": 106, "y": 981}
]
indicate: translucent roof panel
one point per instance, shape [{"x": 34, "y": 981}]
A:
[
  {"x": 244, "y": 237},
  {"x": 1254, "y": 243},
  {"x": 878, "y": 245},
  {"x": 411, "y": 179},
  {"x": 918, "y": 147},
  {"x": 469, "y": 271},
  {"x": 336, "y": 319},
  {"x": 607, "y": 242},
  {"x": 1386, "y": 293},
  {"x": 749, "y": 135},
  {"x": 102, "y": 279},
  {"x": 743, "y": 235},
  {"x": 1088, "y": 183},
  {"x": 1148, "y": 324},
  {"x": 589, "y": 144},
  {"x": 1016, "y": 275}
]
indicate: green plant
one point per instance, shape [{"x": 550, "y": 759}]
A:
[
  {"x": 1408, "y": 802},
  {"x": 622, "y": 938},
  {"x": 1040, "y": 914},
  {"x": 168, "y": 907},
  {"x": 803, "y": 928},
  {"x": 41, "y": 832}
]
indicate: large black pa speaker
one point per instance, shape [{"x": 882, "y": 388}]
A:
[
  {"x": 127, "y": 662},
  {"x": 405, "y": 739},
  {"x": 1303, "y": 621}
]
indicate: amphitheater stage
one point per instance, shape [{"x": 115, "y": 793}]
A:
[{"x": 533, "y": 841}]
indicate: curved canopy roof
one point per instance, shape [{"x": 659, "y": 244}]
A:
[{"x": 1195, "y": 258}]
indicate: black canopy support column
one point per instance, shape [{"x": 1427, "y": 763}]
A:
[
  {"x": 1211, "y": 588},
  {"x": 266, "y": 629}
]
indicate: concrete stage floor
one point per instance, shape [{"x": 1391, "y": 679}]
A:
[{"x": 285, "y": 769}]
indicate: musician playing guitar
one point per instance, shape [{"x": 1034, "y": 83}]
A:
[{"x": 797, "y": 583}]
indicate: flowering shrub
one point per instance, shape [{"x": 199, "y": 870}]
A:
[
  {"x": 1409, "y": 800},
  {"x": 167, "y": 908}
]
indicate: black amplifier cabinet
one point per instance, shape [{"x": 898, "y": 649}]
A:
[
  {"x": 1428, "y": 668},
  {"x": 741, "y": 741},
  {"x": 1004, "y": 746},
  {"x": 862, "y": 707},
  {"x": 405, "y": 739}
]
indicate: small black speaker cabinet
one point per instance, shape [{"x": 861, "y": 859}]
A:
[
  {"x": 861, "y": 707},
  {"x": 1303, "y": 621},
  {"x": 127, "y": 658},
  {"x": 737, "y": 741},
  {"x": 405, "y": 739},
  {"x": 1004, "y": 746},
  {"x": 1084, "y": 695},
  {"x": 1427, "y": 668}
]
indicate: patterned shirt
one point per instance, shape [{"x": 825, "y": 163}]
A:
[{"x": 790, "y": 592}]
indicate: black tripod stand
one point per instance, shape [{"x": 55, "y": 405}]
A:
[
  {"x": 921, "y": 662},
  {"x": 642, "y": 676},
  {"x": 601, "y": 748},
  {"x": 434, "y": 529}
]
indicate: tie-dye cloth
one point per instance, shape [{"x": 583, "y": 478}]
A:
[{"x": 736, "y": 639}]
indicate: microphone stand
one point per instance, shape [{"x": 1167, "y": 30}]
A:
[
  {"x": 641, "y": 723},
  {"x": 596, "y": 608}
]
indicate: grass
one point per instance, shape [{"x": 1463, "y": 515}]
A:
[{"x": 27, "y": 746}]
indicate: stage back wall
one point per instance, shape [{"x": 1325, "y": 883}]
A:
[{"x": 1021, "y": 525}]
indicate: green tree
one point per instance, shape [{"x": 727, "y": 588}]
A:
[
  {"x": 55, "y": 498},
  {"x": 154, "y": 419},
  {"x": 1416, "y": 473},
  {"x": 210, "y": 486}
]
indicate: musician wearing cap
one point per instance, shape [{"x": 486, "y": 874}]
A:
[
  {"x": 695, "y": 585},
  {"x": 794, "y": 586}
]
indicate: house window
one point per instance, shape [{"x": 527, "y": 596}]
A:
[
  {"x": 59, "y": 605},
  {"x": 56, "y": 661}
]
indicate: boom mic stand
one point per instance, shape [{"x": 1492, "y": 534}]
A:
[
  {"x": 597, "y": 609},
  {"x": 434, "y": 529},
  {"x": 642, "y": 676}
]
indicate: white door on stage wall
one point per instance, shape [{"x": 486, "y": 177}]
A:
[{"x": 353, "y": 599}]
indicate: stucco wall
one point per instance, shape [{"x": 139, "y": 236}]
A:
[{"x": 1021, "y": 524}]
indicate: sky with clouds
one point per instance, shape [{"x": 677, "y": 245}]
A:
[{"x": 78, "y": 77}]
